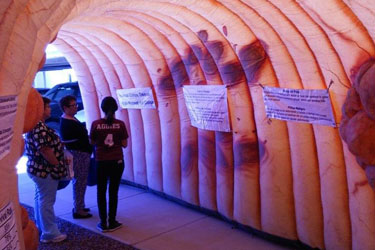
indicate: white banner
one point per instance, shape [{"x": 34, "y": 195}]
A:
[
  {"x": 8, "y": 109},
  {"x": 299, "y": 105},
  {"x": 207, "y": 106},
  {"x": 136, "y": 98},
  {"x": 8, "y": 229}
]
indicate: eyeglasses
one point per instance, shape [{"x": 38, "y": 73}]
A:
[{"x": 73, "y": 105}]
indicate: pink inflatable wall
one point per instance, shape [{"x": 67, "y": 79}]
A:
[{"x": 292, "y": 180}]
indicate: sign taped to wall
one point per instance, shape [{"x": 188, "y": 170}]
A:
[
  {"x": 8, "y": 109},
  {"x": 207, "y": 106},
  {"x": 8, "y": 228},
  {"x": 136, "y": 98},
  {"x": 299, "y": 105}
]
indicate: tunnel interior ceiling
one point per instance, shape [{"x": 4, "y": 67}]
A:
[{"x": 292, "y": 180}]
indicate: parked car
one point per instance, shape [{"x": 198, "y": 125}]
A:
[
  {"x": 42, "y": 91},
  {"x": 55, "y": 94}
]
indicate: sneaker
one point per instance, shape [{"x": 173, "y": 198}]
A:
[
  {"x": 81, "y": 216},
  {"x": 114, "y": 226},
  {"x": 58, "y": 238},
  {"x": 102, "y": 227}
]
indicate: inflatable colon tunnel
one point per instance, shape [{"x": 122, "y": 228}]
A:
[{"x": 298, "y": 181}]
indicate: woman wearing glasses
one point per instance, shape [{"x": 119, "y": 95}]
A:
[{"x": 75, "y": 137}]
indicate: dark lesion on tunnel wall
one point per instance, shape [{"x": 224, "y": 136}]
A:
[
  {"x": 252, "y": 57},
  {"x": 216, "y": 49},
  {"x": 203, "y": 35},
  {"x": 192, "y": 64},
  {"x": 178, "y": 68},
  {"x": 189, "y": 158},
  {"x": 263, "y": 151},
  {"x": 190, "y": 59},
  {"x": 207, "y": 156},
  {"x": 246, "y": 153},
  {"x": 207, "y": 62},
  {"x": 165, "y": 85},
  {"x": 179, "y": 73},
  {"x": 230, "y": 72},
  {"x": 225, "y": 164}
]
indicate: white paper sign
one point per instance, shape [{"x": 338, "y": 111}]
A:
[
  {"x": 8, "y": 109},
  {"x": 8, "y": 229},
  {"x": 299, "y": 105},
  {"x": 136, "y": 98},
  {"x": 207, "y": 106}
]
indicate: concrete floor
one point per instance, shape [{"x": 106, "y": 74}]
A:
[{"x": 151, "y": 222}]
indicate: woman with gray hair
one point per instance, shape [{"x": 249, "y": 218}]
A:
[{"x": 75, "y": 137}]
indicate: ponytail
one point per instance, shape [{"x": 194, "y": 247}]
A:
[
  {"x": 109, "y": 107},
  {"x": 109, "y": 116}
]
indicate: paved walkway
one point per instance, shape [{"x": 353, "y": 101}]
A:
[{"x": 151, "y": 222}]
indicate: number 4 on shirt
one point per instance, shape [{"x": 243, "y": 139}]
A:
[{"x": 109, "y": 140}]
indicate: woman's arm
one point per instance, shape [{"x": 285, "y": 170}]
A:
[
  {"x": 69, "y": 131},
  {"x": 92, "y": 142},
  {"x": 69, "y": 141},
  {"x": 92, "y": 135},
  {"x": 49, "y": 155},
  {"x": 124, "y": 143}
]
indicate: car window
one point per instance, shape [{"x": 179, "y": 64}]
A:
[
  {"x": 50, "y": 94},
  {"x": 63, "y": 91}
]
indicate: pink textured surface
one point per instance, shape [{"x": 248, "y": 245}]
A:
[{"x": 297, "y": 181}]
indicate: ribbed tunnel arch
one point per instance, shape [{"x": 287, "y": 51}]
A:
[{"x": 292, "y": 180}]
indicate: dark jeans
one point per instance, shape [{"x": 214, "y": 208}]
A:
[{"x": 112, "y": 171}]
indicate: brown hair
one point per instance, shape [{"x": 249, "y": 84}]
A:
[{"x": 65, "y": 101}]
